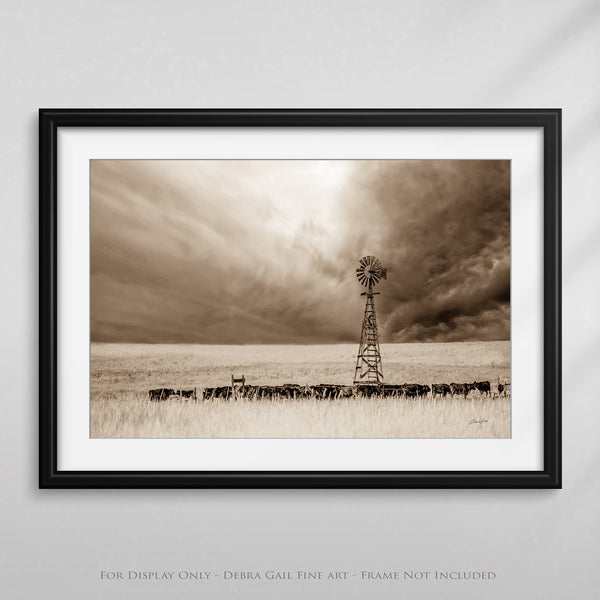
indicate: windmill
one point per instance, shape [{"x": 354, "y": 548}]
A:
[{"x": 368, "y": 362}]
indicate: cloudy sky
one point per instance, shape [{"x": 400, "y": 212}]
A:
[{"x": 251, "y": 252}]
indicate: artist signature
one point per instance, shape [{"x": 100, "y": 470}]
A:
[{"x": 480, "y": 421}]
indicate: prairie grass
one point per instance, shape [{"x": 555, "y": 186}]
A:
[
  {"x": 122, "y": 374},
  {"x": 358, "y": 417}
]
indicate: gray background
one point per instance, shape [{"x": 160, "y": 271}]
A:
[{"x": 299, "y": 54}]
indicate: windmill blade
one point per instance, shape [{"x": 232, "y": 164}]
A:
[{"x": 370, "y": 271}]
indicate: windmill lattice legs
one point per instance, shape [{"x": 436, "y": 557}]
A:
[{"x": 368, "y": 363}]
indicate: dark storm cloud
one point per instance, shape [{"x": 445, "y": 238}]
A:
[
  {"x": 265, "y": 251},
  {"x": 443, "y": 229}
]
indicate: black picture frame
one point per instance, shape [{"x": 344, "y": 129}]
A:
[{"x": 51, "y": 120}]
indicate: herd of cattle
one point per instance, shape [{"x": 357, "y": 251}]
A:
[
  {"x": 167, "y": 393},
  {"x": 294, "y": 391}
]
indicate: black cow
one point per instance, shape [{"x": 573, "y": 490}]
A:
[
  {"x": 160, "y": 394},
  {"x": 459, "y": 388},
  {"x": 483, "y": 387},
  {"x": 326, "y": 391},
  {"x": 334, "y": 391},
  {"x": 321, "y": 391},
  {"x": 303, "y": 391},
  {"x": 393, "y": 390},
  {"x": 411, "y": 390},
  {"x": 222, "y": 392},
  {"x": 368, "y": 389},
  {"x": 291, "y": 390},
  {"x": 250, "y": 391},
  {"x": 264, "y": 392},
  {"x": 277, "y": 391},
  {"x": 441, "y": 389},
  {"x": 345, "y": 391},
  {"x": 211, "y": 393},
  {"x": 214, "y": 393},
  {"x": 316, "y": 391},
  {"x": 462, "y": 388},
  {"x": 186, "y": 393}
]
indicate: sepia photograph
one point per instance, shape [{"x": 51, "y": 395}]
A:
[{"x": 300, "y": 299}]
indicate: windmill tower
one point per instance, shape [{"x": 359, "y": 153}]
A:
[{"x": 368, "y": 363}]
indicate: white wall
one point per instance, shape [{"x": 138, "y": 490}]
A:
[{"x": 139, "y": 53}]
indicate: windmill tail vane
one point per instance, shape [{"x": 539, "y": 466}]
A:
[{"x": 368, "y": 362}]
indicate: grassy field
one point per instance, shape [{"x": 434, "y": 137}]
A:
[{"x": 122, "y": 374}]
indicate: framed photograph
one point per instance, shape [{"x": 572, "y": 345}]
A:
[{"x": 300, "y": 298}]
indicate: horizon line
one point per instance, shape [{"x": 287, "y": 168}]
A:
[{"x": 289, "y": 343}]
